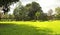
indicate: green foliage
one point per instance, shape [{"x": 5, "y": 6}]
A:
[
  {"x": 20, "y": 13},
  {"x": 27, "y": 12},
  {"x": 43, "y": 17},
  {"x": 57, "y": 17},
  {"x": 31, "y": 11},
  {"x": 11, "y": 17},
  {"x": 57, "y": 13},
  {"x": 6, "y": 4},
  {"x": 5, "y": 17},
  {"x": 38, "y": 14},
  {"x": 57, "y": 10}
]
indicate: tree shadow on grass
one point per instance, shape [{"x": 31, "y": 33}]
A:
[{"x": 13, "y": 29}]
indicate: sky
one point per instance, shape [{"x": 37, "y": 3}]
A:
[{"x": 45, "y": 4}]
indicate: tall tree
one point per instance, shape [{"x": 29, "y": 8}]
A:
[
  {"x": 19, "y": 13},
  {"x": 34, "y": 7}
]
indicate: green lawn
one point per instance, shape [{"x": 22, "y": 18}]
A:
[{"x": 30, "y": 28}]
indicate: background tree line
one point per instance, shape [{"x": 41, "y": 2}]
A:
[{"x": 32, "y": 11}]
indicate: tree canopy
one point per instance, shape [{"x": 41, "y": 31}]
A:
[
  {"x": 6, "y": 4},
  {"x": 28, "y": 12}
]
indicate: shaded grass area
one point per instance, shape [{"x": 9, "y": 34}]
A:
[{"x": 22, "y": 29}]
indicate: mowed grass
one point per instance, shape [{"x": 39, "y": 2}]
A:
[{"x": 30, "y": 28}]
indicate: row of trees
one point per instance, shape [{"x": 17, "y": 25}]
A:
[{"x": 31, "y": 11}]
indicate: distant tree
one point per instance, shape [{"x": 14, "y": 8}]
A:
[
  {"x": 1, "y": 15},
  {"x": 17, "y": 13},
  {"x": 6, "y": 16},
  {"x": 57, "y": 10},
  {"x": 43, "y": 17},
  {"x": 11, "y": 17},
  {"x": 21, "y": 13},
  {"x": 50, "y": 14}
]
